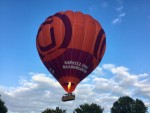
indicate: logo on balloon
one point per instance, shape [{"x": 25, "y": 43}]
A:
[{"x": 67, "y": 36}]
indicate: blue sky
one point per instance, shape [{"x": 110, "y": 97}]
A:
[{"x": 125, "y": 64}]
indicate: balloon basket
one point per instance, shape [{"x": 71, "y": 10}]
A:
[{"x": 68, "y": 97}]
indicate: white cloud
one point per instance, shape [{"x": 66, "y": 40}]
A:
[
  {"x": 120, "y": 11},
  {"x": 122, "y": 15},
  {"x": 116, "y": 20},
  {"x": 120, "y": 8},
  {"x": 116, "y": 70},
  {"x": 98, "y": 71},
  {"x": 119, "y": 18},
  {"x": 42, "y": 91},
  {"x": 108, "y": 66},
  {"x": 95, "y": 7}
]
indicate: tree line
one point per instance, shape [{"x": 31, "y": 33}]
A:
[{"x": 124, "y": 104}]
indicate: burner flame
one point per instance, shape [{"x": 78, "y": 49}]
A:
[{"x": 69, "y": 85}]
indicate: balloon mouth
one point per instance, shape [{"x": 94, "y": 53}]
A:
[
  {"x": 69, "y": 86},
  {"x": 69, "y": 83}
]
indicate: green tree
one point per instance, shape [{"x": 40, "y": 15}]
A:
[
  {"x": 57, "y": 110},
  {"x": 140, "y": 106},
  {"x": 126, "y": 104},
  {"x": 86, "y": 108},
  {"x": 3, "y": 108}
]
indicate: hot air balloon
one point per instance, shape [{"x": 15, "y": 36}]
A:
[{"x": 70, "y": 45}]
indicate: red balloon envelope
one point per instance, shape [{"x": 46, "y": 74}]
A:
[{"x": 70, "y": 45}]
